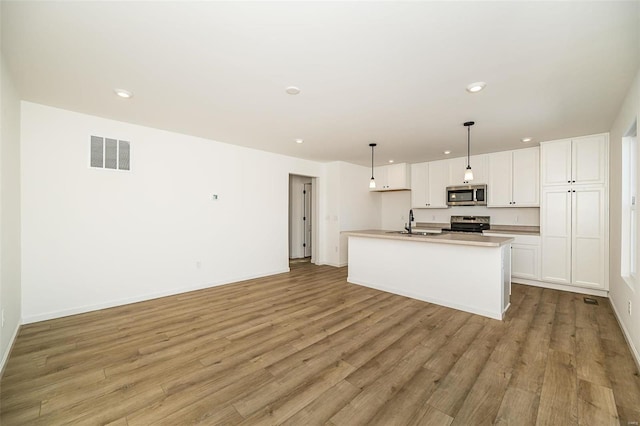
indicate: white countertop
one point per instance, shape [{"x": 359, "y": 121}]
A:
[{"x": 446, "y": 238}]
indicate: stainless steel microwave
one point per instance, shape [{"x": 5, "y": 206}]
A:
[{"x": 467, "y": 195}]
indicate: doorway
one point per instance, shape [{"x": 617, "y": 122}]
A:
[{"x": 301, "y": 218}]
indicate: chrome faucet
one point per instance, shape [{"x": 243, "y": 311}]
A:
[{"x": 408, "y": 228}]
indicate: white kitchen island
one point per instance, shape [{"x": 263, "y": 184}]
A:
[{"x": 468, "y": 272}]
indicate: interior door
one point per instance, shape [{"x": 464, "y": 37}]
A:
[{"x": 307, "y": 220}]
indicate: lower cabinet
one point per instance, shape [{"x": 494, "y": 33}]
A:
[
  {"x": 573, "y": 225},
  {"x": 525, "y": 255}
]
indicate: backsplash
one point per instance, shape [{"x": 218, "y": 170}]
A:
[{"x": 396, "y": 205}]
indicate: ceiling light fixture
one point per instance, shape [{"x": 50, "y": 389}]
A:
[
  {"x": 446, "y": 152},
  {"x": 372, "y": 183},
  {"x": 468, "y": 173},
  {"x": 299, "y": 140},
  {"x": 292, "y": 90},
  {"x": 526, "y": 139},
  {"x": 390, "y": 161},
  {"x": 123, "y": 93},
  {"x": 476, "y": 87}
]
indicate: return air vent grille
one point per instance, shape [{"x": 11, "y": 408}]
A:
[{"x": 107, "y": 153}]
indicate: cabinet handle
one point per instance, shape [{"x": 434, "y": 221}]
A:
[
  {"x": 573, "y": 181},
  {"x": 574, "y": 190},
  {"x": 569, "y": 190},
  {"x": 568, "y": 181}
]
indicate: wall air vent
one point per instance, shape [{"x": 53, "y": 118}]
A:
[{"x": 109, "y": 153}]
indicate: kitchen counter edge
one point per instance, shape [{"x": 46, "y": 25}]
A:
[{"x": 449, "y": 238}]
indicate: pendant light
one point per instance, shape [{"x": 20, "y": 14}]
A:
[
  {"x": 468, "y": 173},
  {"x": 372, "y": 183}
]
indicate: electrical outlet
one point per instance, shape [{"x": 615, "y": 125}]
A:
[
  {"x": 433, "y": 217},
  {"x": 629, "y": 307},
  {"x": 198, "y": 264},
  {"x": 2, "y": 317},
  {"x": 336, "y": 249}
]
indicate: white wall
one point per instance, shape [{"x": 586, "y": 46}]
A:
[
  {"x": 350, "y": 206},
  {"x": 359, "y": 208},
  {"x": 94, "y": 238},
  {"x": 619, "y": 291},
  {"x": 10, "y": 287}
]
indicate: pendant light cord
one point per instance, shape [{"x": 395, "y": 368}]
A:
[{"x": 468, "y": 145}]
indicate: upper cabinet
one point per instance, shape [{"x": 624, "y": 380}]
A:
[
  {"x": 457, "y": 167},
  {"x": 428, "y": 184},
  {"x": 574, "y": 161},
  {"x": 394, "y": 177},
  {"x": 514, "y": 178}
]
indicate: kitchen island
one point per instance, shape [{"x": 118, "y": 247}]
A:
[{"x": 468, "y": 272}]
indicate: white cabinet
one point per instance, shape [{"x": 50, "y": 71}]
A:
[
  {"x": 581, "y": 161},
  {"x": 428, "y": 184},
  {"x": 394, "y": 177},
  {"x": 525, "y": 255},
  {"x": 574, "y": 211},
  {"x": 457, "y": 167},
  {"x": 514, "y": 178},
  {"x": 574, "y": 239}
]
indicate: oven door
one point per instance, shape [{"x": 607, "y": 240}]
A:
[{"x": 460, "y": 196}]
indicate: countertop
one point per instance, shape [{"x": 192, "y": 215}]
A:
[{"x": 448, "y": 238}]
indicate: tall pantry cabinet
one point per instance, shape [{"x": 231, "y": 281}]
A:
[{"x": 573, "y": 211}]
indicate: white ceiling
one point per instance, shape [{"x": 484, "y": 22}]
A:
[{"x": 388, "y": 72}]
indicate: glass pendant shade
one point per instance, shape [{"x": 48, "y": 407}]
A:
[
  {"x": 468, "y": 174},
  {"x": 372, "y": 183}
]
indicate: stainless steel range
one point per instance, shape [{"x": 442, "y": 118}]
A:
[{"x": 475, "y": 224}]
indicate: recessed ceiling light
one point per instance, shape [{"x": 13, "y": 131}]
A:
[
  {"x": 292, "y": 90},
  {"x": 123, "y": 93},
  {"x": 476, "y": 87},
  {"x": 299, "y": 140},
  {"x": 391, "y": 161},
  {"x": 526, "y": 139},
  {"x": 447, "y": 152}
]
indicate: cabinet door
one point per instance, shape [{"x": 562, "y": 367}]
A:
[
  {"x": 457, "y": 167},
  {"x": 380, "y": 175},
  {"x": 589, "y": 155},
  {"x": 480, "y": 166},
  {"x": 525, "y": 261},
  {"x": 588, "y": 239},
  {"x": 526, "y": 182},
  {"x": 419, "y": 181},
  {"x": 555, "y": 228},
  {"x": 397, "y": 176},
  {"x": 499, "y": 186},
  {"x": 437, "y": 184},
  {"x": 556, "y": 162}
]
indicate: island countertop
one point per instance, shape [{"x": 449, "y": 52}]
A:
[{"x": 446, "y": 238}]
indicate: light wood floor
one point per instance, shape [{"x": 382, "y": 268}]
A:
[{"x": 307, "y": 348}]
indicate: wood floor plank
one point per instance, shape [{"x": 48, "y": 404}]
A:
[
  {"x": 321, "y": 409},
  {"x": 483, "y": 400},
  {"x": 563, "y": 336},
  {"x": 307, "y": 348},
  {"x": 558, "y": 399},
  {"x": 518, "y": 407},
  {"x": 596, "y": 405}
]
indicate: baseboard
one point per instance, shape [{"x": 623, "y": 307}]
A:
[
  {"x": 150, "y": 296},
  {"x": 562, "y": 287},
  {"x": 627, "y": 336},
  {"x": 336, "y": 265},
  {"x": 6, "y": 355}
]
